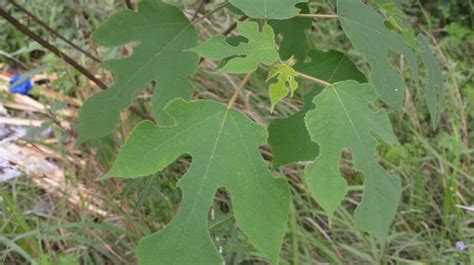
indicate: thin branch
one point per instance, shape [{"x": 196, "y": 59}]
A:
[
  {"x": 52, "y": 31},
  {"x": 234, "y": 25},
  {"x": 198, "y": 9},
  {"x": 218, "y": 8},
  {"x": 237, "y": 91},
  {"x": 314, "y": 79},
  {"x": 141, "y": 114},
  {"x": 315, "y": 16}
]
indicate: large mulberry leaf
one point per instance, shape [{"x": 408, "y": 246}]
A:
[
  {"x": 260, "y": 49},
  {"x": 268, "y": 9},
  {"x": 224, "y": 146},
  {"x": 163, "y": 33},
  {"x": 434, "y": 87},
  {"x": 343, "y": 119},
  {"x": 288, "y": 137},
  {"x": 366, "y": 29}
]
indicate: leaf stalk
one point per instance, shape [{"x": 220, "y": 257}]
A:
[
  {"x": 237, "y": 91},
  {"x": 315, "y": 16},
  {"x": 314, "y": 79},
  {"x": 218, "y": 8}
]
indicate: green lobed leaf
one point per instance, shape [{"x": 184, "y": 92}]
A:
[
  {"x": 366, "y": 29},
  {"x": 294, "y": 39},
  {"x": 343, "y": 119},
  {"x": 163, "y": 33},
  {"x": 285, "y": 84},
  {"x": 288, "y": 137},
  {"x": 268, "y": 9},
  {"x": 396, "y": 20},
  {"x": 260, "y": 49},
  {"x": 434, "y": 91},
  {"x": 224, "y": 146}
]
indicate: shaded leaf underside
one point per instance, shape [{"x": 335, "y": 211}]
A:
[{"x": 293, "y": 31}]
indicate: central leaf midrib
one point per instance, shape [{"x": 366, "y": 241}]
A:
[
  {"x": 346, "y": 113},
  {"x": 203, "y": 180}
]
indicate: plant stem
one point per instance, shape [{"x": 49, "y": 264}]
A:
[
  {"x": 314, "y": 79},
  {"x": 129, "y": 4},
  {"x": 237, "y": 91},
  {"x": 234, "y": 25},
  {"x": 294, "y": 236},
  {"x": 222, "y": 6},
  {"x": 198, "y": 9},
  {"x": 317, "y": 16}
]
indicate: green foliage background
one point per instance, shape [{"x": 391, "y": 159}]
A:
[{"x": 436, "y": 167}]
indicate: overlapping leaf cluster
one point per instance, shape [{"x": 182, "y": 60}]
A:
[
  {"x": 364, "y": 26},
  {"x": 224, "y": 143}
]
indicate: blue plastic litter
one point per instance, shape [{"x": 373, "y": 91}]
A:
[{"x": 20, "y": 88}]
